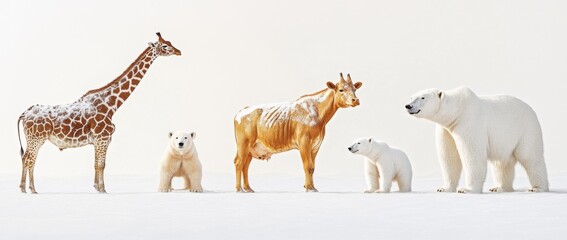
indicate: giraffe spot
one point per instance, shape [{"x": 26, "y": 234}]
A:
[
  {"x": 99, "y": 117},
  {"x": 66, "y": 121},
  {"x": 141, "y": 65},
  {"x": 124, "y": 95},
  {"x": 82, "y": 138},
  {"x": 116, "y": 90},
  {"x": 139, "y": 76},
  {"x": 40, "y": 128},
  {"x": 119, "y": 103},
  {"x": 125, "y": 86},
  {"x": 129, "y": 74},
  {"x": 147, "y": 65},
  {"x": 147, "y": 59},
  {"x": 135, "y": 69},
  {"x": 135, "y": 81},
  {"x": 112, "y": 100},
  {"x": 102, "y": 108}
]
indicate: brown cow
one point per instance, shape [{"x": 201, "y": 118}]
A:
[{"x": 273, "y": 128}]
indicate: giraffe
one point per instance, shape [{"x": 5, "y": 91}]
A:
[{"x": 87, "y": 120}]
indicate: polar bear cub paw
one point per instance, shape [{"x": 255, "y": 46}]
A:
[{"x": 445, "y": 189}]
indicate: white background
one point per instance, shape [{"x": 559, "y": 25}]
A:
[{"x": 240, "y": 53}]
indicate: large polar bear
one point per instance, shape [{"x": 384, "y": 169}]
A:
[
  {"x": 472, "y": 130},
  {"x": 181, "y": 160},
  {"x": 383, "y": 165}
]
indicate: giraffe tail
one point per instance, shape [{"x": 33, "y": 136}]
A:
[{"x": 19, "y": 137}]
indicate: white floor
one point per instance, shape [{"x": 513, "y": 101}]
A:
[{"x": 69, "y": 208}]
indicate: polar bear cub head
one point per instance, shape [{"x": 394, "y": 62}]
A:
[
  {"x": 362, "y": 146},
  {"x": 181, "y": 142},
  {"x": 425, "y": 103}
]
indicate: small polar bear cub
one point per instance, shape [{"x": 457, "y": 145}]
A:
[
  {"x": 181, "y": 160},
  {"x": 383, "y": 165}
]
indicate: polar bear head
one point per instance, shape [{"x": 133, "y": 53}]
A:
[
  {"x": 181, "y": 142},
  {"x": 425, "y": 103},
  {"x": 362, "y": 146}
]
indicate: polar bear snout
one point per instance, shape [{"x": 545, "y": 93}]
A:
[
  {"x": 353, "y": 148},
  {"x": 181, "y": 144},
  {"x": 408, "y": 107}
]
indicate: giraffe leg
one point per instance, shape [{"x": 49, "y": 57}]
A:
[
  {"x": 101, "y": 147},
  {"x": 34, "y": 144},
  {"x": 24, "y": 173}
]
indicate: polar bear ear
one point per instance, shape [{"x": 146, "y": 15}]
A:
[
  {"x": 193, "y": 135},
  {"x": 370, "y": 140},
  {"x": 440, "y": 94},
  {"x": 170, "y": 134},
  {"x": 331, "y": 85}
]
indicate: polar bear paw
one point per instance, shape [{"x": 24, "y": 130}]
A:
[
  {"x": 381, "y": 191},
  {"x": 467, "y": 190},
  {"x": 537, "y": 189},
  {"x": 496, "y": 189},
  {"x": 370, "y": 191},
  {"x": 165, "y": 190},
  {"x": 196, "y": 190},
  {"x": 444, "y": 189}
]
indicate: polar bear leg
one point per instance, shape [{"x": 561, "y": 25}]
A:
[
  {"x": 404, "y": 181},
  {"x": 475, "y": 162},
  {"x": 537, "y": 172},
  {"x": 371, "y": 174},
  {"x": 168, "y": 170},
  {"x": 193, "y": 172},
  {"x": 503, "y": 174},
  {"x": 448, "y": 159},
  {"x": 385, "y": 181}
]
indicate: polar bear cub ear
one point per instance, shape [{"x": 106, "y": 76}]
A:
[
  {"x": 440, "y": 94},
  {"x": 193, "y": 135},
  {"x": 170, "y": 134},
  {"x": 370, "y": 139}
]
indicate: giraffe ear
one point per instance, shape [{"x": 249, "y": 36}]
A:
[
  {"x": 170, "y": 134},
  {"x": 152, "y": 44},
  {"x": 193, "y": 135}
]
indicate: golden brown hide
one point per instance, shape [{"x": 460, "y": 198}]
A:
[{"x": 264, "y": 130}]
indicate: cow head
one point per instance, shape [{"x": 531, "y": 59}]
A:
[{"x": 345, "y": 92}]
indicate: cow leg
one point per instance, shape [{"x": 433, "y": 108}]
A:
[
  {"x": 308, "y": 165},
  {"x": 247, "y": 162},
  {"x": 243, "y": 151}
]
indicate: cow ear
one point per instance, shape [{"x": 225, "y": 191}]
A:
[
  {"x": 170, "y": 134},
  {"x": 331, "y": 85},
  {"x": 193, "y": 135},
  {"x": 357, "y": 85},
  {"x": 440, "y": 94}
]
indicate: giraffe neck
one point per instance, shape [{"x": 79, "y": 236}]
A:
[{"x": 110, "y": 97}]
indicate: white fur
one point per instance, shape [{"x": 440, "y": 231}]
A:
[
  {"x": 181, "y": 161},
  {"x": 473, "y": 130},
  {"x": 383, "y": 165}
]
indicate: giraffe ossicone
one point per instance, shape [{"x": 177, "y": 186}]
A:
[{"x": 87, "y": 120}]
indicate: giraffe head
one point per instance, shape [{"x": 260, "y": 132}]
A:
[{"x": 163, "y": 47}]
